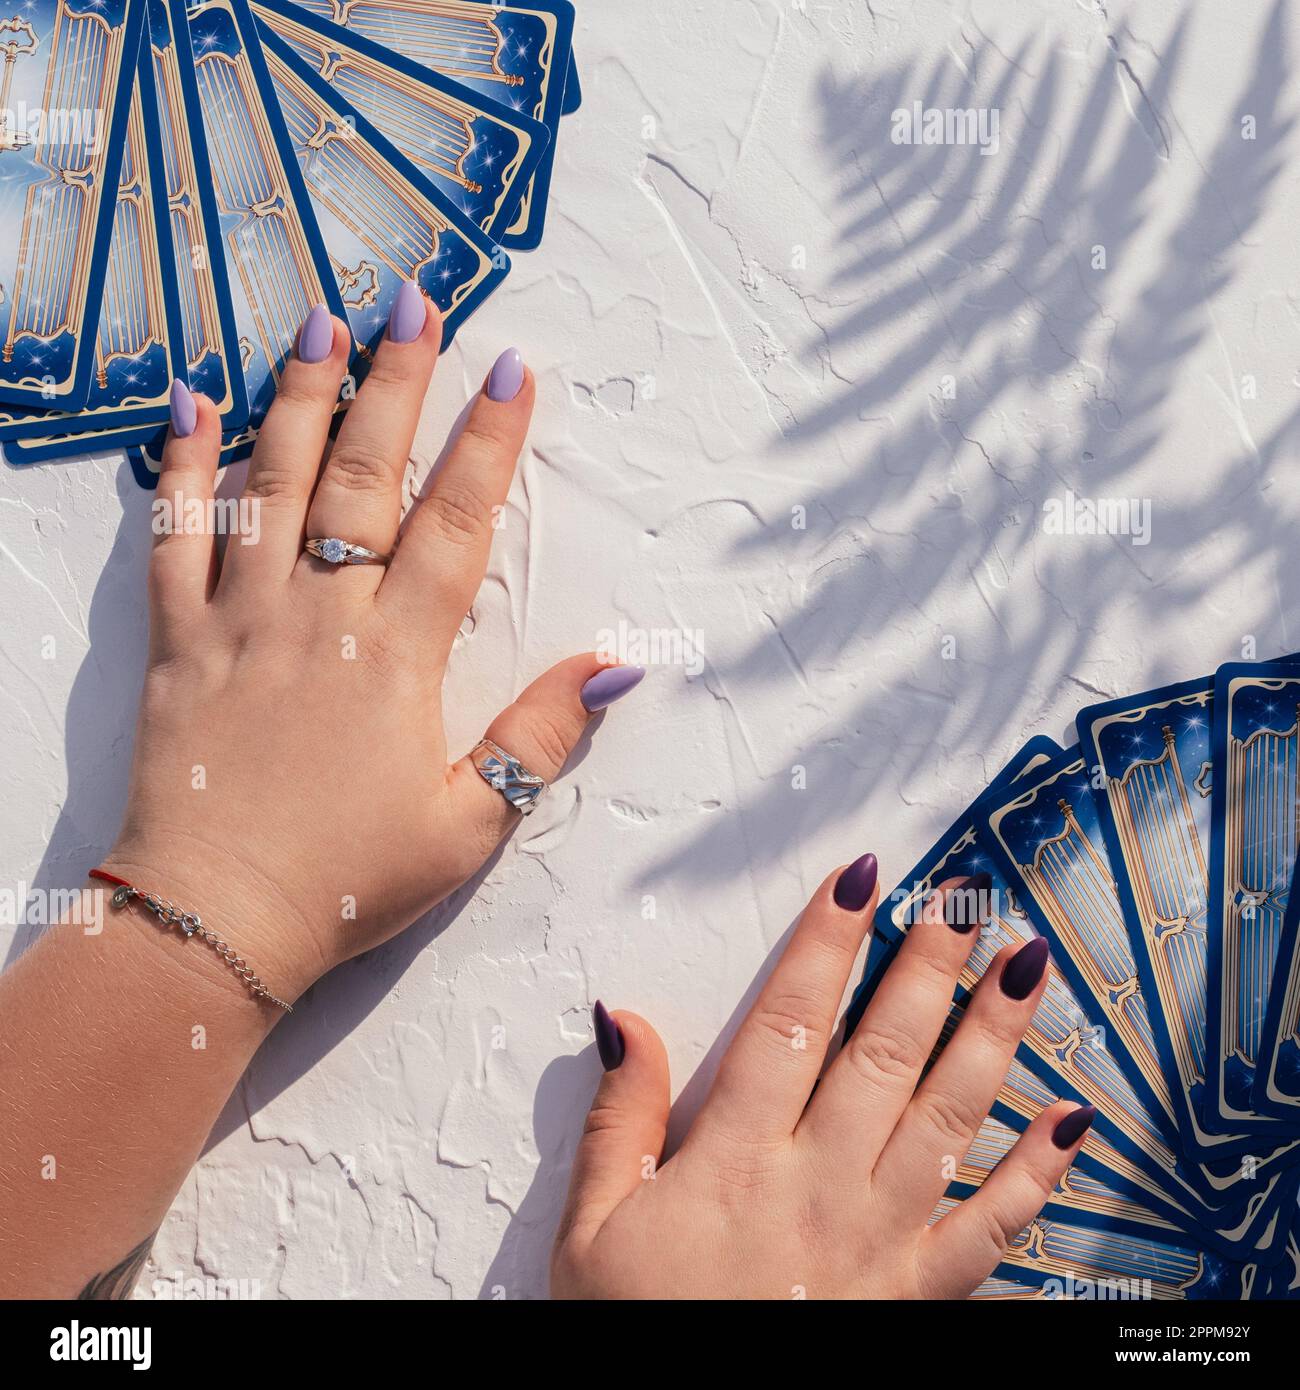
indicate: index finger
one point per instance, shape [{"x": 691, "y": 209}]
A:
[{"x": 774, "y": 1060}]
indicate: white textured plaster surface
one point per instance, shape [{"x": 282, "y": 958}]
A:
[{"x": 747, "y": 302}]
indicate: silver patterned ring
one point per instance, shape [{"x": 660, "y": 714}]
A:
[
  {"x": 508, "y": 776},
  {"x": 336, "y": 552}
]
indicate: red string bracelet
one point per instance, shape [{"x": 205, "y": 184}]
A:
[
  {"x": 191, "y": 924},
  {"x": 109, "y": 878}
]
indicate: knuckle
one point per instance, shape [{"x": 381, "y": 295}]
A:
[
  {"x": 951, "y": 1119},
  {"x": 389, "y": 373},
  {"x": 550, "y": 743},
  {"x": 183, "y": 667},
  {"x": 358, "y": 469},
  {"x": 183, "y": 471},
  {"x": 1040, "y": 1184},
  {"x": 301, "y": 390},
  {"x": 929, "y": 960},
  {"x": 171, "y": 567},
  {"x": 997, "y": 1232},
  {"x": 737, "y": 1180},
  {"x": 384, "y": 646},
  {"x": 1002, "y": 1034},
  {"x": 268, "y": 480},
  {"x": 480, "y": 441},
  {"x": 789, "y": 1018},
  {"x": 455, "y": 514},
  {"x": 836, "y": 940},
  {"x": 604, "y": 1119},
  {"x": 167, "y": 546},
  {"x": 878, "y": 1052},
  {"x": 742, "y": 1169}
]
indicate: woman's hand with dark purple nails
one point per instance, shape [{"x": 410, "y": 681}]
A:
[
  {"x": 609, "y": 1038},
  {"x": 966, "y": 904},
  {"x": 310, "y": 693},
  {"x": 1071, "y": 1128},
  {"x": 1022, "y": 974},
  {"x": 799, "y": 1179},
  {"x": 855, "y": 886}
]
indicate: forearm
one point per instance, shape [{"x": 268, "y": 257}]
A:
[{"x": 118, "y": 1049}]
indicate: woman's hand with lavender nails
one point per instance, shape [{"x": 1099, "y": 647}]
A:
[
  {"x": 799, "y": 1179},
  {"x": 310, "y": 692},
  {"x": 291, "y": 782}
]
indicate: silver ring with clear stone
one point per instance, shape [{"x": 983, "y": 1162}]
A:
[
  {"x": 336, "y": 552},
  {"x": 508, "y": 776}
]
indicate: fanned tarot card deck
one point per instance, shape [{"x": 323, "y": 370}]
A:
[
  {"x": 1157, "y": 856},
  {"x": 182, "y": 181}
]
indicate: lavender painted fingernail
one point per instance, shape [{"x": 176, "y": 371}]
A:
[
  {"x": 407, "y": 317},
  {"x": 185, "y": 414},
  {"x": 1021, "y": 974},
  {"x": 609, "y": 1038},
  {"x": 506, "y": 376},
  {"x": 609, "y": 685},
  {"x": 854, "y": 887},
  {"x": 1072, "y": 1127},
  {"x": 967, "y": 904},
  {"x": 316, "y": 336}
]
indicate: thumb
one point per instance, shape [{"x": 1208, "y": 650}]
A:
[
  {"x": 623, "y": 1139},
  {"x": 540, "y": 730}
]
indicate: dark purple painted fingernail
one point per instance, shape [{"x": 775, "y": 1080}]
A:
[
  {"x": 316, "y": 336},
  {"x": 185, "y": 414},
  {"x": 407, "y": 317},
  {"x": 609, "y": 1038},
  {"x": 1021, "y": 974},
  {"x": 1072, "y": 1127},
  {"x": 967, "y": 903},
  {"x": 854, "y": 887},
  {"x": 506, "y": 376},
  {"x": 609, "y": 685}
]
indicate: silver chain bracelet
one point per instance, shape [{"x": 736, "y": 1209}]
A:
[{"x": 191, "y": 924}]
